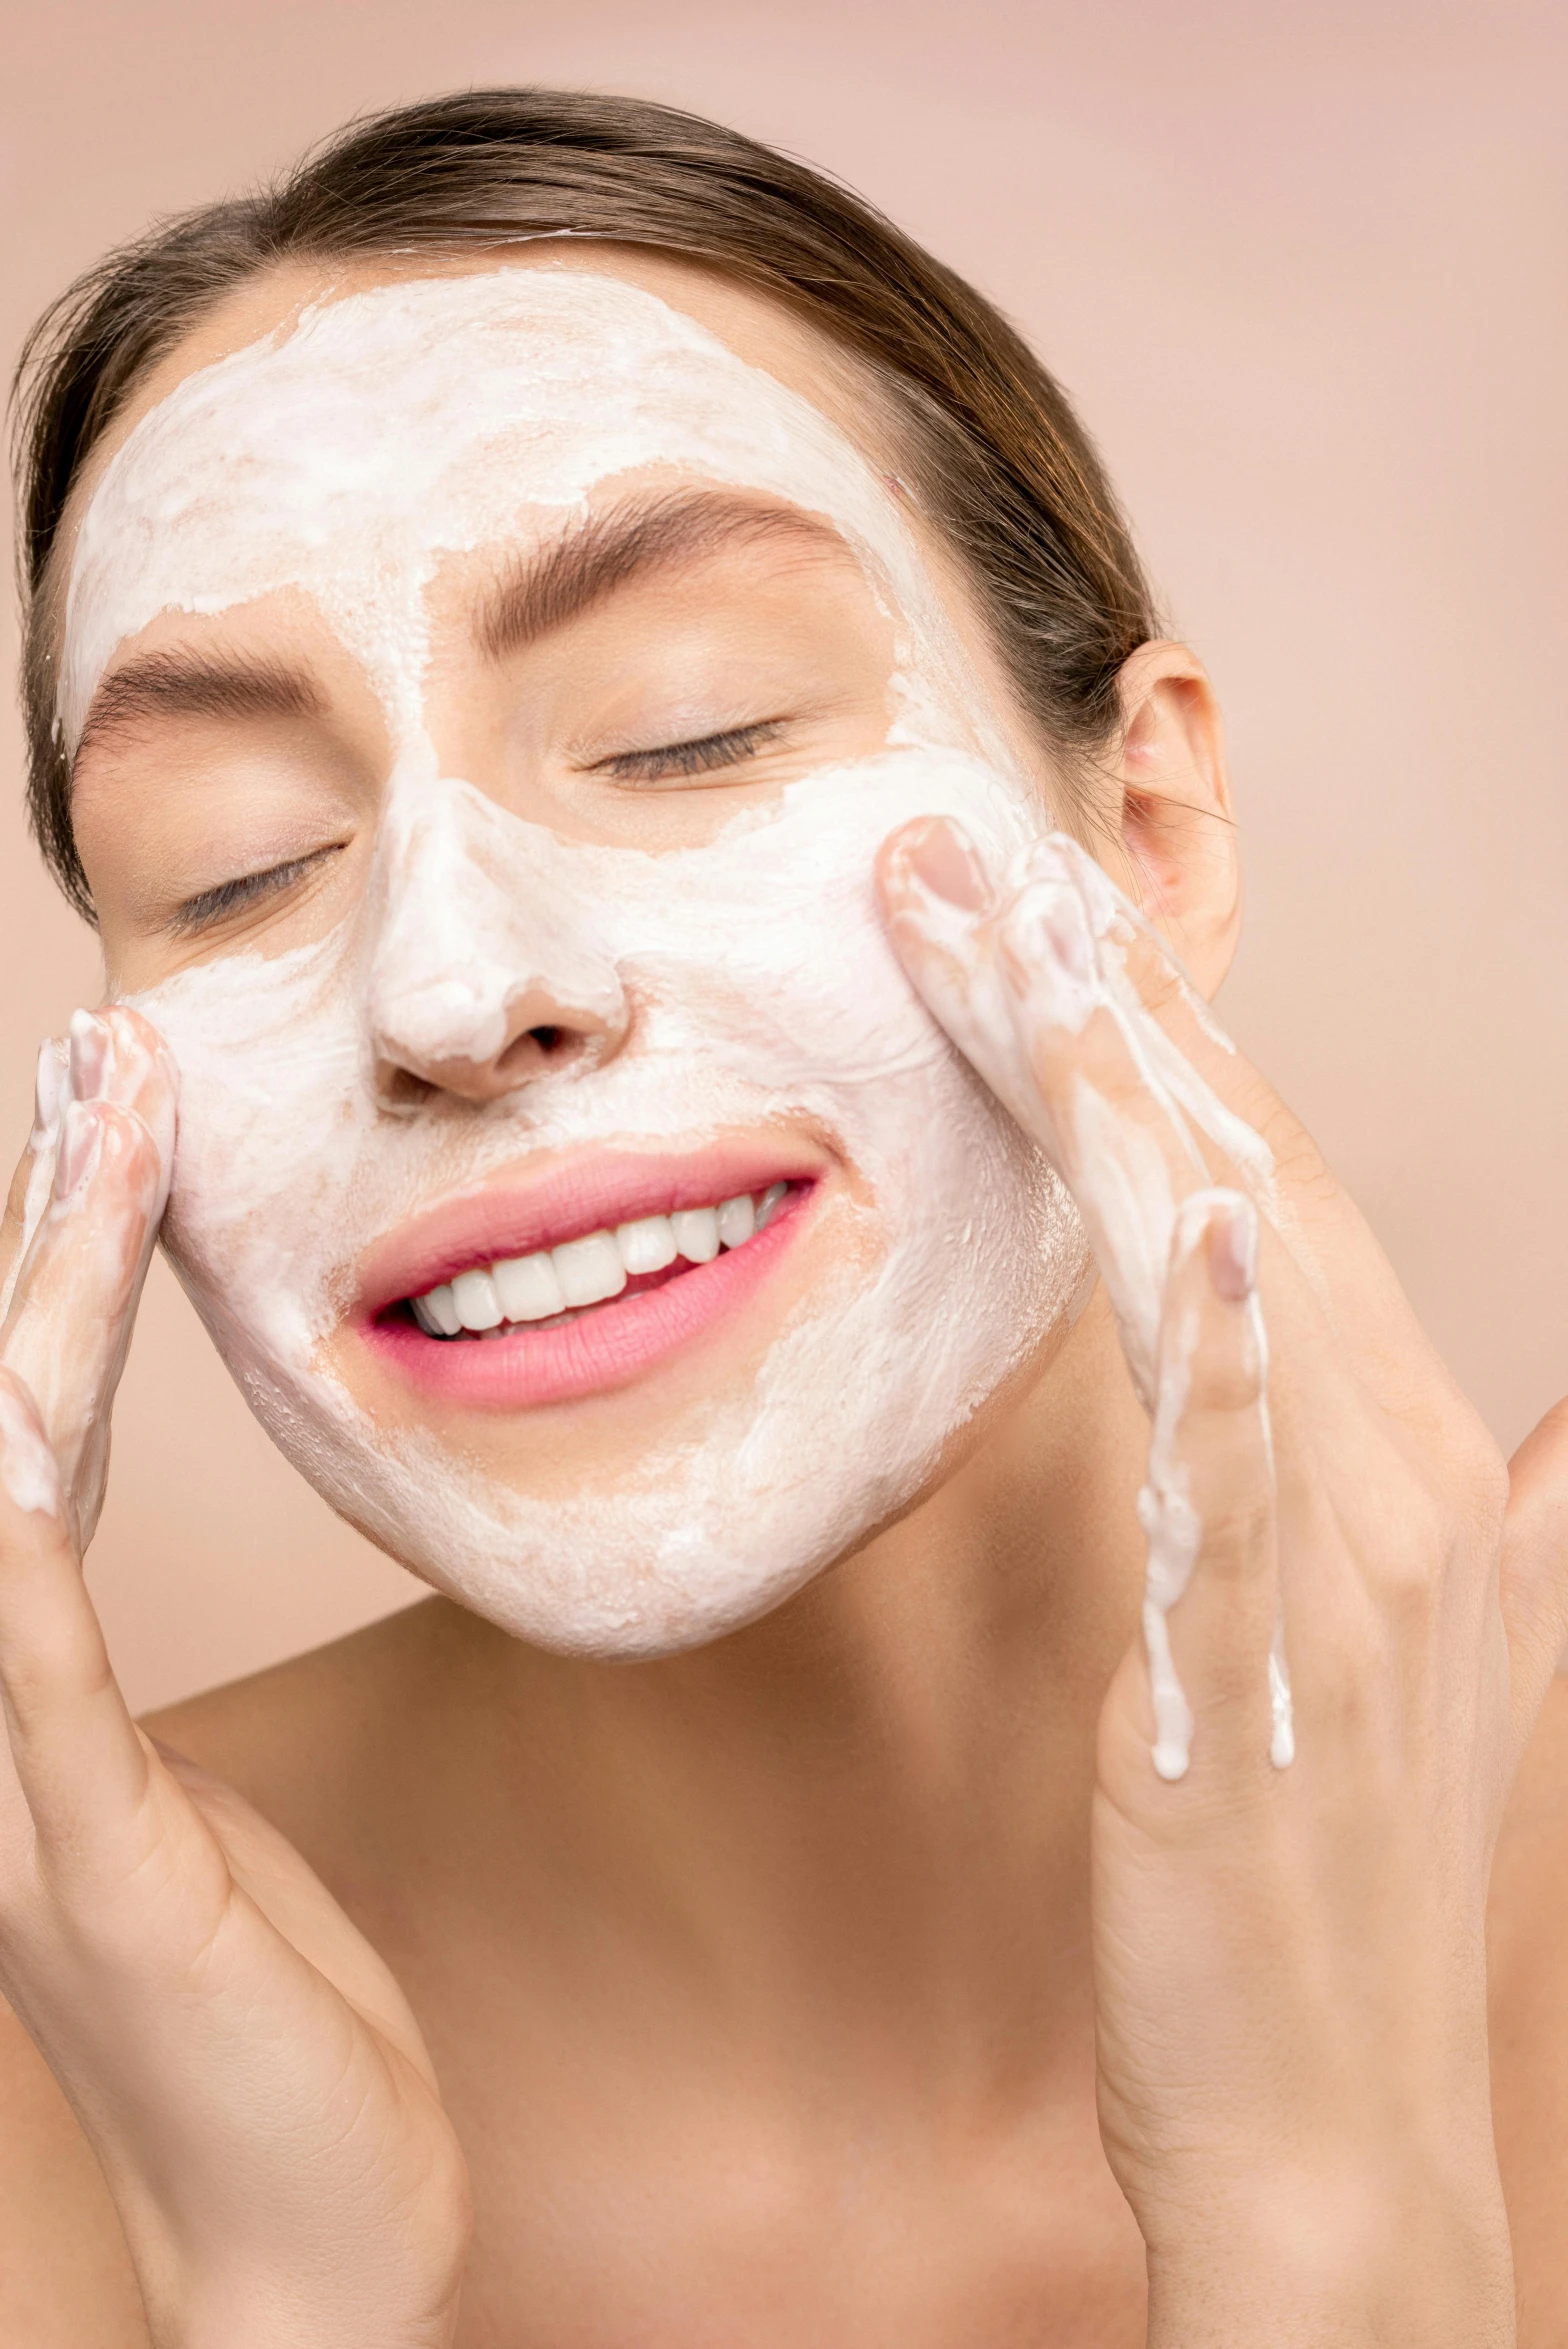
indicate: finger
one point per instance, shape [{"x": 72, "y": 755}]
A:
[
  {"x": 69, "y": 1322},
  {"x": 1534, "y": 1573},
  {"x": 34, "y": 1176},
  {"x": 1209, "y": 1509},
  {"x": 1237, "y": 1124},
  {"x": 1059, "y": 1034},
  {"x": 68, "y": 1330},
  {"x": 1328, "y": 1238},
  {"x": 78, "y": 1758},
  {"x": 117, "y": 1055}
]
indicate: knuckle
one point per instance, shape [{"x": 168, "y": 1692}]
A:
[
  {"x": 1303, "y": 1172},
  {"x": 33, "y": 1677},
  {"x": 1159, "y": 982},
  {"x": 1409, "y": 1561},
  {"x": 1238, "y": 1525},
  {"x": 1233, "y": 1683},
  {"x": 53, "y": 1664},
  {"x": 1348, "y": 1666},
  {"x": 1225, "y": 1383},
  {"x": 1411, "y": 1589}
]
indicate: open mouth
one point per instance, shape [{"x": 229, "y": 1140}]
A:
[
  {"x": 553, "y": 1287},
  {"x": 582, "y": 1280}
]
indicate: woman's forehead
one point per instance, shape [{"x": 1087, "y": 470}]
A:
[{"x": 364, "y": 436}]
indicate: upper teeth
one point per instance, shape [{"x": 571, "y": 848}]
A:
[{"x": 586, "y": 1271}]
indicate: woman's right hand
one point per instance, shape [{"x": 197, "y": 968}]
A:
[{"x": 248, "y": 2072}]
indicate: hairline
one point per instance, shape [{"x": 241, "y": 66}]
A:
[{"x": 1019, "y": 515}]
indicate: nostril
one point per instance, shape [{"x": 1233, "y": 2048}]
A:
[
  {"x": 535, "y": 1049},
  {"x": 400, "y": 1088}
]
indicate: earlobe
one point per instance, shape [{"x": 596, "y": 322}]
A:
[{"x": 1177, "y": 831}]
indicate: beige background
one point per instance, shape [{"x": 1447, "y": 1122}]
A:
[{"x": 1303, "y": 268}]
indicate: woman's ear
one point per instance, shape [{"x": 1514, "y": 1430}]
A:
[{"x": 1177, "y": 833}]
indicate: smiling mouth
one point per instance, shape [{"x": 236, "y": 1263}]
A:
[{"x": 555, "y": 1287}]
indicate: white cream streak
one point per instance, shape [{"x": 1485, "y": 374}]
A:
[
  {"x": 1172, "y": 1525},
  {"x": 1065, "y": 930},
  {"x": 1174, "y": 1533}
]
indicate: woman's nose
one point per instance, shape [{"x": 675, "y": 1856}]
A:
[
  {"x": 479, "y": 1042},
  {"x": 484, "y": 973}
]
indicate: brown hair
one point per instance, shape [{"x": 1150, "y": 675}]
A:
[{"x": 996, "y": 455}]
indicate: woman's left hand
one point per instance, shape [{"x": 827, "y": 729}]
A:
[{"x": 1289, "y": 1953}]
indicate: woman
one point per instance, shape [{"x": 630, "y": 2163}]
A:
[{"x": 579, "y": 675}]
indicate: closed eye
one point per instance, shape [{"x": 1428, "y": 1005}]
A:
[
  {"x": 674, "y": 762},
  {"x": 212, "y": 906}
]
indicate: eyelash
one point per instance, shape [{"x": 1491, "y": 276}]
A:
[
  {"x": 709, "y": 754},
  {"x": 706, "y": 756},
  {"x": 199, "y": 913}
]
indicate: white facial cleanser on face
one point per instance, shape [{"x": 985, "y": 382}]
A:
[{"x": 345, "y": 458}]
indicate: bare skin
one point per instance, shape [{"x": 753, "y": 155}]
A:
[
  {"x": 853, "y": 1978},
  {"x": 1032, "y": 2229}
]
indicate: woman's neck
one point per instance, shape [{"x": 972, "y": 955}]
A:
[{"x": 857, "y": 1830}]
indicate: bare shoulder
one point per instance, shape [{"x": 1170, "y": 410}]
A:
[
  {"x": 1528, "y": 1939},
  {"x": 65, "y": 2274}
]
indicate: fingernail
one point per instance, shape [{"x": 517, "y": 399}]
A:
[
  {"x": 941, "y": 857},
  {"x": 81, "y": 1142},
  {"x": 1233, "y": 1250},
  {"x": 91, "y": 1048},
  {"x": 1047, "y": 930}
]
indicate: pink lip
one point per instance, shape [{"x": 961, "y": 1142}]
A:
[{"x": 608, "y": 1345}]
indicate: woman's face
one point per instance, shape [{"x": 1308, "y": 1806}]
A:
[{"x": 489, "y": 690}]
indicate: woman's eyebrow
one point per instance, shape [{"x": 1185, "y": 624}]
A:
[
  {"x": 543, "y": 591},
  {"x": 199, "y": 684},
  {"x": 533, "y": 596}
]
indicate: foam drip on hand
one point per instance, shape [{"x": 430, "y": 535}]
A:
[{"x": 1031, "y": 975}]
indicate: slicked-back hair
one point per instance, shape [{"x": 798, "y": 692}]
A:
[{"x": 993, "y": 452}]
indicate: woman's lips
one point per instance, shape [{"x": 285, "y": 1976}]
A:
[
  {"x": 584, "y": 1193},
  {"x": 517, "y": 1368},
  {"x": 538, "y": 1355}
]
